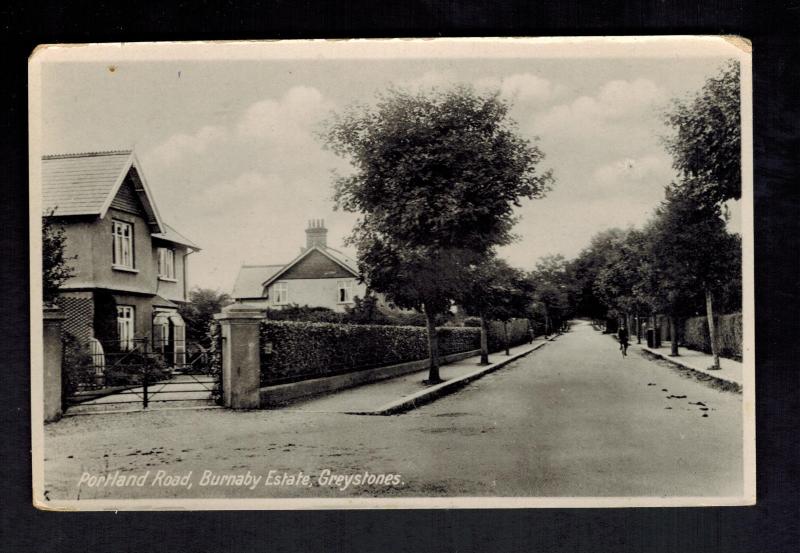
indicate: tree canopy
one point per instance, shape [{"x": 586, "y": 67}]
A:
[
  {"x": 496, "y": 291},
  {"x": 691, "y": 249},
  {"x": 442, "y": 170},
  {"x": 199, "y": 313},
  {"x": 706, "y": 145}
]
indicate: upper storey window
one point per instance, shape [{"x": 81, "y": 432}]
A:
[
  {"x": 123, "y": 244},
  {"x": 166, "y": 263}
]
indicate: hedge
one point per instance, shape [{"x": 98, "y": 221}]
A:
[
  {"x": 729, "y": 335},
  {"x": 293, "y": 351},
  {"x": 518, "y": 333}
]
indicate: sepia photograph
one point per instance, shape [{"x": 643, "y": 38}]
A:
[{"x": 357, "y": 274}]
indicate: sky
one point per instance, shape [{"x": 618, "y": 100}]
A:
[{"x": 230, "y": 148}]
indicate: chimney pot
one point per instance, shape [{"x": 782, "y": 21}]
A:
[{"x": 316, "y": 234}]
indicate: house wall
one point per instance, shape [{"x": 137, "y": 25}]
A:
[
  {"x": 78, "y": 249},
  {"x": 144, "y": 278},
  {"x": 318, "y": 292},
  {"x": 143, "y": 313},
  {"x": 175, "y": 291},
  {"x": 92, "y": 242}
]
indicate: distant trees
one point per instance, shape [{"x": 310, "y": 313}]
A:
[
  {"x": 495, "y": 291},
  {"x": 683, "y": 261},
  {"x": 585, "y": 271},
  {"x": 552, "y": 289},
  {"x": 621, "y": 281},
  {"x": 436, "y": 178}
]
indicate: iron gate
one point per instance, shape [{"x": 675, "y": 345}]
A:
[{"x": 121, "y": 375}]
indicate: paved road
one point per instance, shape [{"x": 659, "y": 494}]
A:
[{"x": 571, "y": 419}]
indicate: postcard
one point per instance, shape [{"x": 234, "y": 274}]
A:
[{"x": 374, "y": 274}]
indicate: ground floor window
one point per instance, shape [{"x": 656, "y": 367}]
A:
[
  {"x": 280, "y": 293},
  {"x": 125, "y": 326},
  {"x": 345, "y": 293}
]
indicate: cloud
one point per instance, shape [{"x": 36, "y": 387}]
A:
[
  {"x": 429, "y": 80},
  {"x": 615, "y": 101},
  {"x": 633, "y": 171},
  {"x": 299, "y": 108},
  {"x": 523, "y": 87},
  {"x": 287, "y": 121},
  {"x": 180, "y": 145},
  {"x": 609, "y": 166},
  {"x": 243, "y": 190}
]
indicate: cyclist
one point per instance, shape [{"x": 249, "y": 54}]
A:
[{"x": 622, "y": 335}]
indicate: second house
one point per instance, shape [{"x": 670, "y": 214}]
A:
[{"x": 319, "y": 277}]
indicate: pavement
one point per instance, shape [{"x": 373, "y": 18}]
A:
[
  {"x": 729, "y": 371},
  {"x": 574, "y": 419},
  {"x": 403, "y": 393}
]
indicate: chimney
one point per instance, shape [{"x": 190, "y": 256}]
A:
[{"x": 316, "y": 234}]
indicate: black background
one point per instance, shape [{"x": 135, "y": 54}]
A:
[{"x": 771, "y": 526}]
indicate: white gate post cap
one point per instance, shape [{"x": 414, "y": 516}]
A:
[{"x": 241, "y": 311}]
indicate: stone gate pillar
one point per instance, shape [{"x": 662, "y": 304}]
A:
[
  {"x": 51, "y": 361},
  {"x": 241, "y": 355}
]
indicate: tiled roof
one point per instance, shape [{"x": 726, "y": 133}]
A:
[
  {"x": 79, "y": 184},
  {"x": 250, "y": 279},
  {"x": 172, "y": 235},
  {"x": 342, "y": 258}
]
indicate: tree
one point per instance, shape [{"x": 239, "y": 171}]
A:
[
  {"x": 515, "y": 302},
  {"x": 550, "y": 281},
  {"x": 706, "y": 146},
  {"x": 495, "y": 291},
  {"x": 56, "y": 269},
  {"x": 619, "y": 282},
  {"x": 199, "y": 313},
  {"x": 585, "y": 270},
  {"x": 436, "y": 179},
  {"x": 692, "y": 251}
]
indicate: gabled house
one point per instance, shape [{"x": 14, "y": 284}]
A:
[
  {"x": 320, "y": 276},
  {"x": 129, "y": 261}
]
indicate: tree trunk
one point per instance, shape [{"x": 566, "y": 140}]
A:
[
  {"x": 638, "y": 329},
  {"x": 433, "y": 348},
  {"x": 505, "y": 336},
  {"x": 673, "y": 336},
  {"x": 712, "y": 327},
  {"x": 484, "y": 342},
  {"x": 546, "y": 323}
]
